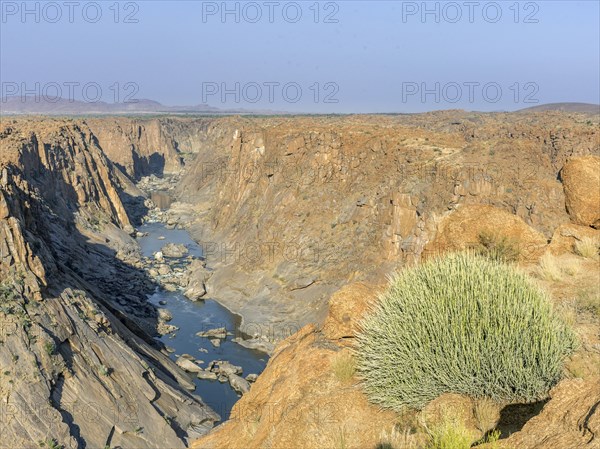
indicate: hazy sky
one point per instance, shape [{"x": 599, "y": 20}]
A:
[{"x": 358, "y": 56}]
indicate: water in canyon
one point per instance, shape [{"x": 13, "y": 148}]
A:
[{"x": 191, "y": 317}]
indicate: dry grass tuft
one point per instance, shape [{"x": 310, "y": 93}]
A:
[
  {"x": 588, "y": 247},
  {"x": 549, "y": 268},
  {"x": 344, "y": 366}
]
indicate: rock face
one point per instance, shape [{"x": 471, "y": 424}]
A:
[
  {"x": 288, "y": 210},
  {"x": 570, "y": 419},
  {"x": 292, "y": 209},
  {"x": 79, "y": 365},
  {"x": 146, "y": 147},
  {"x": 346, "y": 307},
  {"x": 462, "y": 228},
  {"x": 581, "y": 181}
]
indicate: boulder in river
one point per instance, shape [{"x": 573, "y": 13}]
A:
[
  {"x": 219, "y": 332},
  {"x": 164, "y": 269},
  {"x": 188, "y": 365},
  {"x": 206, "y": 375},
  {"x": 239, "y": 384},
  {"x": 215, "y": 342},
  {"x": 174, "y": 251},
  {"x": 158, "y": 256},
  {"x": 227, "y": 368},
  {"x": 163, "y": 329},
  {"x": 164, "y": 315}
]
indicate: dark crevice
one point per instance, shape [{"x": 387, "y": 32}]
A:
[
  {"x": 56, "y": 398},
  {"x": 586, "y": 422}
]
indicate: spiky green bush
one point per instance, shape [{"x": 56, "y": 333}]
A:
[{"x": 461, "y": 324}]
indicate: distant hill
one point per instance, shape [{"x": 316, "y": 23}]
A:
[
  {"x": 30, "y": 105},
  {"x": 567, "y": 107}
]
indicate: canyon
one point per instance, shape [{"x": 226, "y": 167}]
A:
[{"x": 300, "y": 220}]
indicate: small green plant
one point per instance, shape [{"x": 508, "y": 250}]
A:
[
  {"x": 50, "y": 347},
  {"x": 496, "y": 247},
  {"x": 449, "y": 435},
  {"x": 587, "y": 247},
  {"x": 461, "y": 324},
  {"x": 51, "y": 443},
  {"x": 344, "y": 366},
  {"x": 104, "y": 370}
]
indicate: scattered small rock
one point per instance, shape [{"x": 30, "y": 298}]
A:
[
  {"x": 164, "y": 315},
  {"x": 206, "y": 375},
  {"x": 219, "y": 332}
]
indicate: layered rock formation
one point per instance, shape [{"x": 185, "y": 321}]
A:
[
  {"x": 291, "y": 209},
  {"x": 79, "y": 367},
  {"x": 142, "y": 147}
]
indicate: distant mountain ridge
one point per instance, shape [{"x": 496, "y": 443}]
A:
[
  {"x": 567, "y": 107},
  {"x": 26, "y": 105}
]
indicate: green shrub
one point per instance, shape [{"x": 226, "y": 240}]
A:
[
  {"x": 461, "y": 324},
  {"x": 50, "y": 347}
]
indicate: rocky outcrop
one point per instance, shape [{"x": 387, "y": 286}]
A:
[
  {"x": 346, "y": 307},
  {"x": 570, "y": 419},
  {"x": 79, "y": 365},
  {"x": 464, "y": 227},
  {"x": 581, "y": 181},
  {"x": 142, "y": 147},
  {"x": 567, "y": 235},
  {"x": 287, "y": 210}
]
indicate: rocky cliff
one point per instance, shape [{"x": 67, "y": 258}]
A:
[
  {"x": 79, "y": 367},
  {"x": 290, "y": 209},
  {"x": 142, "y": 147}
]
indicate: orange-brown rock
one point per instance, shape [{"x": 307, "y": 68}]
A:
[
  {"x": 462, "y": 228},
  {"x": 581, "y": 181},
  {"x": 571, "y": 419},
  {"x": 346, "y": 307},
  {"x": 566, "y": 235}
]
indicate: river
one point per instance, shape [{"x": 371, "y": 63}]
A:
[{"x": 191, "y": 317}]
